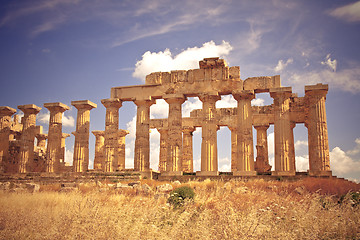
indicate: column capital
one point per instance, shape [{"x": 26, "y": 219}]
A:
[
  {"x": 162, "y": 130},
  {"x": 56, "y": 107},
  {"x": 98, "y": 133},
  {"x": 262, "y": 126},
  {"x": 122, "y": 132},
  {"x": 280, "y": 91},
  {"x": 144, "y": 102},
  {"x": 209, "y": 97},
  {"x": 65, "y": 135},
  {"x": 111, "y": 102},
  {"x": 188, "y": 129},
  {"x": 84, "y": 104},
  {"x": 7, "y": 111},
  {"x": 30, "y": 108},
  {"x": 174, "y": 98},
  {"x": 243, "y": 94}
]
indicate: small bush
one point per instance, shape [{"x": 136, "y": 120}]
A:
[{"x": 179, "y": 195}]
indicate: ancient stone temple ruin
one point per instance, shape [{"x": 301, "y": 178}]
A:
[{"x": 211, "y": 81}]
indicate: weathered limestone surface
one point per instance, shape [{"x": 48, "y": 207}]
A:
[
  {"x": 163, "y": 149},
  {"x": 81, "y": 147},
  {"x": 187, "y": 149},
  {"x": 262, "y": 159},
  {"x": 99, "y": 159},
  {"x": 120, "y": 164},
  {"x": 319, "y": 160},
  {"x": 5, "y": 124},
  {"x": 111, "y": 132},
  {"x": 54, "y": 151},
  {"x": 27, "y": 137}
]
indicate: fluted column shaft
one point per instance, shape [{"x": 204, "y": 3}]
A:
[
  {"x": 262, "y": 157},
  {"x": 99, "y": 149},
  {"x": 54, "y": 151},
  {"x": 142, "y": 141},
  {"x": 5, "y": 123},
  {"x": 163, "y": 149},
  {"x": 27, "y": 137},
  {"x": 284, "y": 156},
  {"x": 81, "y": 146},
  {"x": 120, "y": 165},
  {"x": 233, "y": 148},
  {"x": 209, "y": 160},
  {"x": 245, "y": 148},
  {"x": 316, "y": 123},
  {"x": 174, "y": 141},
  {"x": 111, "y": 132},
  {"x": 187, "y": 150}
]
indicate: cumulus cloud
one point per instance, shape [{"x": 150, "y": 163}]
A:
[
  {"x": 281, "y": 64},
  {"x": 227, "y": 101},
  {"x": 224, "y": 165},
  {"x": 43, "y": 117},
  {"x": 258, "y": 102},
  {"x": 342, "y": 163},
  {"x": 349, "y": 12},
  {"x": 189, "y": 105},
  {"x": 302, "y": 163},
  {"x": 330, "y": 63},
  {"x": 67, "y": 121},
  {"x": 160, "y": 109},
  {"x": 356, "y": 149},
  {"x": 187, "y": 59},
  {"x": 69, "y": 156}
]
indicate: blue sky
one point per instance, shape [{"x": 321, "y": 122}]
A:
[{"x": 65, "y": 50}]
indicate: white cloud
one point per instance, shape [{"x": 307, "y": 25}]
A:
[
  {"x": 160, "y": 109},
  {"x": 330, "y": 63},
  {"x": 68, "y": 121},
  {"x": 187, "y": 59},
  {"x": 227, "y": 101},
  {"x": 224, "y": 165},
  {"x": 341, "y": 163},
  {"x": 271, "y": 139},
  {"x": 43, "y": 117},
  {"x": 349, "y": 12},
  {"x": 281, "y": 64},
  {"x": 69, "y": 156},
  {"x": 190, "y": 105},
  {"x": 257, "y": 102},
  {"x": 346, "y": 80},
  {"x": 302, "y": 163},
  {"x": 356, "y": 149}
]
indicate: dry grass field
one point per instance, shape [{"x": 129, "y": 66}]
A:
[{"x": 256, "y": 209}]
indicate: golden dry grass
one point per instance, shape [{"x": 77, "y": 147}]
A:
[{"x": 255, "y": 209}]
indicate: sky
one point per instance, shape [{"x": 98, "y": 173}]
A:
[{"x": 67, "y": 50}]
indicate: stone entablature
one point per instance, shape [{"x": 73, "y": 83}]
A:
[{"x": 212, "y": 80}]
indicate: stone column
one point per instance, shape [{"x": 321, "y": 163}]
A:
[
  {"x": 5, "y": 123},
  {"x": 187, "y": 150},
  {"x": 53, "y": 151},
  {"x": 262, "y": 157},
  {"x": 41, "y": 140},
  {"x": 142, "y": 140},
  {"x": 174, "y": 141},
  {"x": 316, "y": 123},
  {"x": 245, "y": 147},
  {"x": 81, "y": 146},
  {"x": 121, "y": 150},
  {"x": 209, "y": 161},
  {"x": 62, "y": 152},
  {"x": 163, "y": 149},
  {"x": 27, "y": 137},
  {"x": 234, "y": 158},
  {"x": 99, "y": 150},
  {"x": 111, "y": 132},
  {"x": 284, "y": 163}
]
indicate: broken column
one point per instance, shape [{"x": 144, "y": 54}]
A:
[
  {"x": 262, "y": 157},
  {"x": 316, "y": 123},
  {"x": 174, "y": 141},
  {"x": 27, "y": 137},
  {"x": 209, "y": 161},
  {"x": 245, "y": 148},
  {"x": 111, "y": 132},
  {"x": 284, "y": 156},
  {"x": 163, "y": 148},
  {"x": 99, "y": 150},
  {"x": 121, "y": 150},
  {"x": 54, "y": 152},
  {"x": 187, "y": 150},
  {"x": 81, "y": 146},
  {"x": 142, "y": 140},
  {"x": 5, "y": 123}
]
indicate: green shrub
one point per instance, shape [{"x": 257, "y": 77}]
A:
[{"x": 179, "y": 195}]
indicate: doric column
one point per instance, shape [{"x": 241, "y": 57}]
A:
[
  {"x": 111, "y": 132},
  {"x": 245, "y": 148},
  {"x": 5, "y": 123},
  {"x": 187, "y": 150},
  {"x": 209, "y": 161},
  {"x": 81, "y": 146},
  {"x": 121, "y": 150},
  {"x": 262, "y": 157},
  {"x": 316, "y": 123},
  {"x": 62, "y": 152},
  {"x": 284, "y": 163},
  {"x": 163, "y": 149},
  {"x": 27, "y": 137},
  {"x": 142, "y": 140},
  {"x": 174, "y": 141},
  {"x": 234, "y": 158},
  {"x": 99, "y": 150},
  {"x": 53, "y": 151}
]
